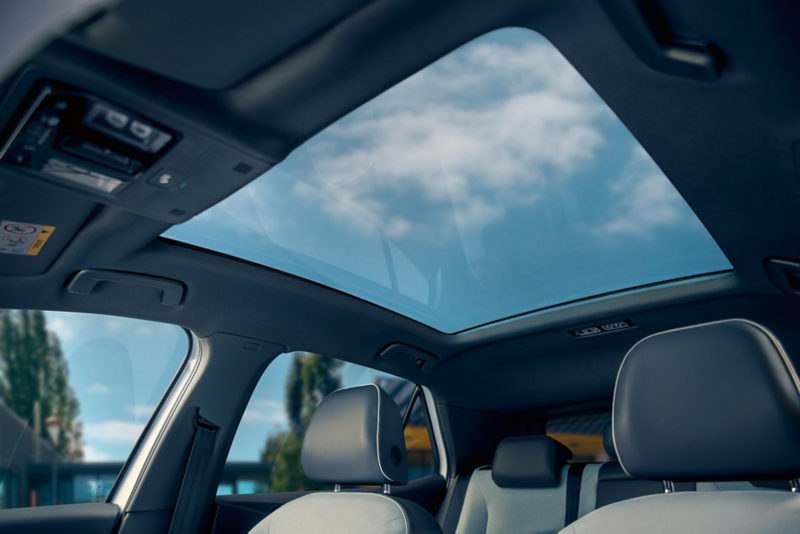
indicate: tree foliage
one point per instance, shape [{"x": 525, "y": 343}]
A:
[
  {"x": 312, "y": 377},
  {"x": 33, "y": 368}
]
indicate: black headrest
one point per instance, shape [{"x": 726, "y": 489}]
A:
[
  {"x": 719, "y": 401},
  {"x": 608, "y": 440},
  {"x": 356, "y": 437},
  {"x": 530, "y": 462}
]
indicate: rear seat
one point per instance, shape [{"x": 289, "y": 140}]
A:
[
  {"x": 607, "y": 483},
  {"x": 525, "y": 490}
]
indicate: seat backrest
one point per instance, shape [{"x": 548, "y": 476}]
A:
[
  {"x": 355, "y": 437},
  {"x": 524, "y": 491},
  {"x": 707, "y": 382},
  {"x": 607, "y": 483}
]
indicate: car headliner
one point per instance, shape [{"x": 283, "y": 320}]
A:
[{"x": 266, "y": 76}]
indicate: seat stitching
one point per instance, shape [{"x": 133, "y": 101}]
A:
[
  {"x": 377, "y": 427},
  {"x": 389, "y": 521},
  {"x": 402, "y": 510}
]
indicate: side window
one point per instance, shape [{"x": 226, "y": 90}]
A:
[
  {"x": 265, "y": 455},
  {"x": 582, "y": 435},
  {"x": 76, "y": 391}
]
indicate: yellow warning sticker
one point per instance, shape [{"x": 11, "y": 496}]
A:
[
  {"x": 40, "y": 240},
  {"x": 23, "y": 238}
]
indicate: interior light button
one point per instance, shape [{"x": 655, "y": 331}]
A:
[
  {"x": 142, "y": 131},
  {"x": 116, "y": 119},
  {"x": 167, "y": 179}
]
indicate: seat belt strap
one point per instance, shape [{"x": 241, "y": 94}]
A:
[
  {"x": 186, "y": 518},
  {"x": 574, "y": 476},
  {"x": 456, "y": 503}
]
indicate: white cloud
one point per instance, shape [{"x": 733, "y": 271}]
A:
[
  {"x": 99, "y": 389},
  {"x": 141, "y": 410},
  {"x": 645, "y": 200},
  {"x": 527, "y": 116},
  {"x": 485, "y": 133},
  {"x": 145, "y": 330},
  {"x": 469, "y": 138},
  {"x": 61, "y": 328},
  {"x": 113, "y": 325},
  {"x": 93, "y": 454},
  {"x": 265, "y": 411},
  {"x": 113, "y": 432}
]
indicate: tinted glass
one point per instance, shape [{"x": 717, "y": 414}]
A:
[
  {"x": 492, "y": 183},
  {"x": 76, "y": 391},
  {"x": 265, "y": 455},
  {"x": 582, "y": 435}
]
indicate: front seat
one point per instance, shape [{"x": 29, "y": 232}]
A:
[
  {"x": 719, "y": 401},
  {"x": 355, "y": 437}
]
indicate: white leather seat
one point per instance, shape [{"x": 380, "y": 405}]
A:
[
  {"x": 524, "y": 491},
  {"x": 681, "y": 401},
  {"x": 355, "y": 437}
]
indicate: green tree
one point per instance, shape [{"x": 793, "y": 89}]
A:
[
  {"x": 311, "y": 378},
  {"x": 32, "y": 368}
]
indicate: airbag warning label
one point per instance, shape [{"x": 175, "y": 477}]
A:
[{"x": 23, "y": 238}]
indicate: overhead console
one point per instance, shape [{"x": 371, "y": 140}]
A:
[
  {"x": 78, "y": 138},
  {"x": 103, "y": 148}
]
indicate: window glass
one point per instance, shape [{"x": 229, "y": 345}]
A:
[
  {"x": 582, "y": 435},
  {"x": 76, "y": 390},
  {"x": 265, "y": 455},
  {"x": 492, "y": 183}
]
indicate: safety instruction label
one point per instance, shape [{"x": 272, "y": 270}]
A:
[{"x": 23, "y": 238}]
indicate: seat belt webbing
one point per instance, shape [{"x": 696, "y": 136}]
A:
[
  {"x": 574, "y": 476},
  {"x": 185, "y": 519},
  {"x": 456, "y": 503}
]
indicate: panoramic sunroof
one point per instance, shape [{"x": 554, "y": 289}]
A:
[{"x": 492, "y": 183}]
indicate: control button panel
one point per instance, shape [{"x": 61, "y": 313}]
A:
[
  {"x": 126, "y": 127},
  {"x": 167, "y": 179},
  {"x": 78, "y": 137}
]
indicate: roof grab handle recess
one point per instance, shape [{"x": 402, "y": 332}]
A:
[
  {"x": 84, "y": 282},
  {"x": 785, "y": 274},
  {"x": 422, "y": 359},
  {"x": 646, "y": 29}
]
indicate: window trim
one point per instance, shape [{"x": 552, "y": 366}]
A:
[
  {"x": 150, "y": 421},
  {"x": 131, "y": 474},
  {"x": 437, "y": 440}
]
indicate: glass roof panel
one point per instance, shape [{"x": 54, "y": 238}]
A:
[{"x": 492, "y": 183}]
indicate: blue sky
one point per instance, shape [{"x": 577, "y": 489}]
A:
[
  {"x": 119, "y": 369},
  {"x": 491, "y": 183},
  {"x": 266, "y": 413}
]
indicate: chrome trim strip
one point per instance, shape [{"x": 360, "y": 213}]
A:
[
  {"x": 129, "y": 480},
  {"x": 430, "y": 404}
]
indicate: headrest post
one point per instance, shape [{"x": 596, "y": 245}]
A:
[
  {"x": 669, "y": 487},
  {"x": 795, "y": 485},
  {"x": 387, "y": 489},
  {"x": 337, "y": 488}
]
